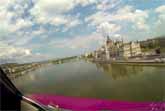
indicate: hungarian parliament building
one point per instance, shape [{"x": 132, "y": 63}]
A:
[{"x": 118, "y": 50}]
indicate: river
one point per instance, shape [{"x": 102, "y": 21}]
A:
[{"x": 81, "y": 78}]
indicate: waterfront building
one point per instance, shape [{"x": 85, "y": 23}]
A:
[
  {"x": 107, "y": 52},
  {"x": 113, "y": 50},
  {"x": 130, "y": 49},
  {"x": 152, "y": 44},
  {"x": 135, "y": 49},
  {"x": 106, "y": 48},
  {"x": 86, "y": 54},
  {"x": 125, "y": 50},
  {"x": 100, "y": 53}
]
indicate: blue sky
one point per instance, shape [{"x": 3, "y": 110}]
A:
[{"x": 44, "y": 29}]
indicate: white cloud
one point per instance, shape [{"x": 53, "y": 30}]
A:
[
  {"x": 109, "y": 18},
  {"x": 19, "y": 38},
  {"x": 85, "y": 2},
  {"x": 126, "y": 14},
  {"x": 79, "y": 42},
  {"x": 7, "y": 22},
  {"x": 9, "y": 51},
  {"x": 97, "y": 18},
  {"x": 54, "y": 11},
  {"x": 74, "y": 23},
  {"x": 5, "y": 16},
  {"x": 57, "y": 20},
  {"x": 160, "y": 22},
  {"x": 107, "y": 4},
  {"x": 68, "y": 21},
  {"x": 71, "y": 23},
  {"x": 118, "y": 36},
  {"x": 108, "y": 28},
  {"x": 41, "y": 30},
  {"x": 19, "y": 24},
  {"x": 161, "y": 13},
  {"x": 3, "y": 3},
  {"x": 49, "y": 7},
  {"x": 160, "y": 9}
]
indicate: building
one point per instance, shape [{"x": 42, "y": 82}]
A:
[
  {"x": 153, "y": 44},
  {"x": 130, "y": 49},
  {"x": 113, "y": 50},
  {"x": 135, "y": 49},
  {"x": 119, "y": 49},
  {"x": 125, "y": 50},
  {"x": 100, "y": 53},
  {"x": 108, "y": 47}
]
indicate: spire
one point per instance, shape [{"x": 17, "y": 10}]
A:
[
  {"x": 108, "y": 37},
  {"x": 122, "y": 40},
  {"x": 108, "y": 40}
]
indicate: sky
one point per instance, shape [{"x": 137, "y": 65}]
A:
[{"x": 34, "y": 30}]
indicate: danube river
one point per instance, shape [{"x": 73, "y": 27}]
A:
[{"x": 104, "y": 81}]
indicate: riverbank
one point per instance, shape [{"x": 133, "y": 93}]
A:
[
  {"x": 103, "y": 81},
  {"x": 140, "y": 63},
  {"x": 155, "y": 62}
]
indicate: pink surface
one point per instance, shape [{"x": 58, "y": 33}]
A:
[{"x": 88, "y": 104}]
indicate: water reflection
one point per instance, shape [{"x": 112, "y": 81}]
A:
[
  {"x": 106, "y": 81},
  {"x": 120, "y": 71}
]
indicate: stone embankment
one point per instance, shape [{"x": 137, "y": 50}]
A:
[{"x": 155, "y": 60}]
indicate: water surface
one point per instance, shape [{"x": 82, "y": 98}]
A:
[{"x": 103, "y": 81}]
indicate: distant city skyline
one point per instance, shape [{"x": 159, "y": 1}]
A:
[{"x": 34, "y": 30}]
